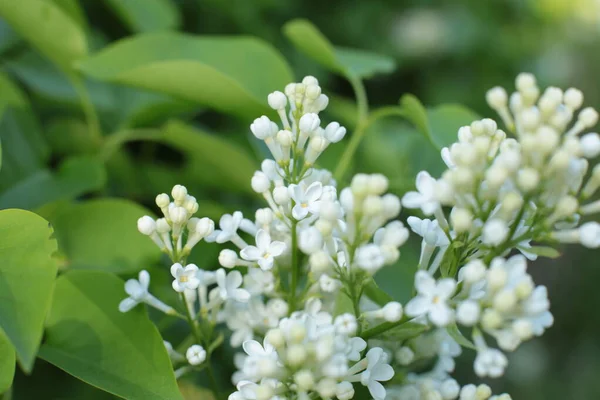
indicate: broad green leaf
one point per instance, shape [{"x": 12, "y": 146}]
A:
[
  {"x": 225, "y": 73},
  {"x": 48, "y": 28},
  {"x": 102, "y": 234},
  {"x": 407, "y": 330},
  {"x": 146, "y": 15},
  {"x": 7, "y": 362},
  {"x": 543, "y": 251},
  {"x": 74, "y": 177},
  {"x": 229, "y": 165},
  {"x": 348, "y": 62},
  {"x": 10, "y": 94},
  {"x": 27, "y": 273},
  {"x": 379, "y": 296},
  {"x": 8, "y": 37},
  {"x": 25, "y": 149},
  {"x": 70, "y": 136},
  {"x": 74, "y": 11},
  {"x": 416, "y": 113},
  {"x": 457, "y": 335},
  {"x": 87, "y": 336}
]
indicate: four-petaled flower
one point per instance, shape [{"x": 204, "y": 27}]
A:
[
  {"x": 265, "y": 250},
  {"x": 306, "y": 201},
  {"x": 137, "y": 291},
  {"x": 425, "y": 197},
  {"x": 378, "y": 370},
  {"x": 229, "y": 286},
  {"x": 431, "y": 299},
  {"x": 185, "y": 277},
  {"x": 229, "y": 224}
]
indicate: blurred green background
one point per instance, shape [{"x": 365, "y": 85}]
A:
[{"x": 446, "y": 52}]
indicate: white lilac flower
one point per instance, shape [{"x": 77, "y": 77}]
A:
[
  {"x": 185, "y": 277},
  {"x": 377, "y": 371},
  {"x": 229, "y": 286},
  {"x": 265, "y": 251},
  {"x": 429, "y": 230},
  {"x": 305, "y": 200},
  {"x": 196, "y": 354},
  {"x": 138, "y": 293},
  {"x": 425, "y": 197},
  {"x": 490, "y": 362},
  {"x": 432, "y": 298}
]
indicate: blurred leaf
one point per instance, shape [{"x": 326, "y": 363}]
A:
[
  {"x": 397, "y": 280},
  {"x": 348, "y": 62},
  {"x": 229, "y": 165},
  {"x": 379, "y": 296},
  {"x": 146, "y": 15},
  {"x": 544, "y": 251},
  {"x": 10, "y": 93},
  {"x": 27, "y": 273},
  {"x": 102, "y": 234},
  {"x": 343, "y": 110},
  {"x": 88, "y": 337},
  {"x": 343, "y": 304},
  {"x": 74, "y": 11},
  {"x": 48, "y": 28},
  {"x": 457, "y": 335},
  {"x": 189, "y": 391},
  {"x": 7, "y": 363},
  {"x": 226, "y": 73},
  {"x": 8, "y": 37},
  {"x": 74, "y": 177},
  {"x": 69, "y": 136}
]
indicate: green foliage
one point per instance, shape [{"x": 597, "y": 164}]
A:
[
  {"x": 89, "y": 338},
  {"x": 147, "y": 15},
  {"x": 27, "y": 273},
  {"x": 351, "y": 63},
  {"x": 7, "y": 362},
  {"x": 102, "y": 234},
  {"x": 457, "y": 335},
  {"x": 225, "y": 73},
  {"x": 47, "y": 27}
]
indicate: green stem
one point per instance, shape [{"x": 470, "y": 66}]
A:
[
  {"x": 88, "y": 108},
  {"x": 213, "y": 380},
  {"x": 382, "y": 328},
  {"x": 358, "y": 135},
  {"x": 295, "y": 266},
  {"x": 114, "y": 141},
  {"x": 361, "y": 97}
]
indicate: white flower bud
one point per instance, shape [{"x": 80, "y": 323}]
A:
[
  {"x": 329, "y": 210},
  {"x": 327, "y": 388},
  {"x": 297, "y": 333},
  {"x": 468, "y": 312},
  {"x": 264, "y": 392},
  {"x": 267, "y": 367},
  {"x": 360, "y": 185},
  {"x": 309, "y": 122},
  {"x": 525, "y": 81},
  {"x": 391, "y": 206},
  {"x": 511, "y": 202},
  {"x": 162, "y": 226},
  {"x": 281, "y": 195},
  {"x": 505, "y": 300},
  {"x": 528, "y": 179},
  {"x": 473, "y": 271},
  {"x": 483, "y": 392},
  {"x": 304, "y": 379},
  {"x": 310, "y": 80},
  {"x": 162, "y": 200},
  {"x": 495, "y": 231},
  {"x": 530, "y": 118},
  {"x": 405, "y": 355},
  {"x": 372, "y": 205},
  {"x": 146, "y": 225},
  {"x": 317, "y": 145},
  {"x": 325, "y": 227},
  {"x": 228, "y": 258},
  {"x": 588, "y": 117},
  {"x": 496, "y": 276},
  {"x": 285, "y": 138},
  {"x": 313, "y": 92},
  {"x": 491, "y": 319},
  {"x": 319, "y": 263},
  {"x": 346, "y": 324},
  {"x": 179, "y": 194},
  {"x": 449, "y": 389},
  {"x": 276, "y": 338},
  {"x": 344, "y": 391},
  {"x": 310, "y": 240},
  {"x": 277, "y": 100},
  {"x": 590, "y": 145},
  {"x": 264, "y": 216},
  {"x": 296, "y": 354},
  {"x": 377, "y": 184},
  {"x": 497, "y": 98},
  {"x": 392, "y": 311},
  {"x": 573, "y": 98},
  {"x": 263, "y": 128},
  {"x": 178, "y": 215},
  {"x": 334, "y": 132},
  {"x": 461, "y": 219},
  {"x": 205, "y": 227},
  {"x": 278, "y": 307},
  {"x": 496, "y": 176},
  {"x": 190, "y": 204},
  {"x": 589, "y": 235},
  {"x": 196, "y": 354},
  {"x": 260, "y": 182},
  {"x": 328, "y": 284}
]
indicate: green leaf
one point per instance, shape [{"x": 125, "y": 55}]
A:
[
  {"x": 189, "y": 391},
  {"x": 379, "y": 296},
  {"x": 407, "y": 330},
  {"x": 10, "y": 94},
  {"x": 27, "y": 273},
  {"x": 146, "y": 15},
  {"x": 87, "y": 336},
  {"x": 225, "y": 73},
  {"x": 102, "y": 234},
  {"x": 74, "y": 11},
  {"x": 230, "y": 166},
  {"x": 457, "y": 335},
  {"x": 74, "y": 177},
  {"x": 48, "y": 28},
  {"x": 7, "y": 363},
  {"x": 347, "y": 62},
  {"x": 343, "y": 304},
  {"x": 543, "y": 251}
]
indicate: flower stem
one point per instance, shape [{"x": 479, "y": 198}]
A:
[
  {"x": 295, "y": 266},
  {"x": 382, "y": 328},
  {"x": 88, "y": 108}
]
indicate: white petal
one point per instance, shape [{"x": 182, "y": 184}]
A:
[
  {"x": 412, "y": 200},
  {"x": 377, "y": 390},
  {"x": 382, "y": 372},
  {"x": 234, "y": 280},
  {"x": 296, "y": 193},
  {"x": 241, "y": 295},
  {"x": 133, "y": 288},
  {"x": 440, "y": 314},
  {"x": 445, "y": 288},
  {"x": 313, "y": 192},
  {"x": 226, "y": 222},
  {"x": 176, "y": 270},
  {"x": 251, "y": 253},
  {"x": 424, "y": 283},
  {"x": 418, "y": 306},
  {"x": 263, "y": 240},
  {"x": 265, "y": 264},
  {"x": 277, "y": 248},
  {"x": 127, "y": 304},
  {"x": 144, "y": 278},
  {"x": 177, "y": 286},
  {"x": 425, "y": 183},
  {"x": 299, "y": 212},
  {"x": 253, "y": 348}
]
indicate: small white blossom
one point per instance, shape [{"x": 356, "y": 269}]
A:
[
  {"x": 306, "y": 201},
  {"x": 431, "y": 299},
  {"x": 229, "y": 286},
  {"x": 196, "y": 354},
  {"x": 265, "y": 251},
  {"x": 185, "y": 277}
]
